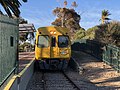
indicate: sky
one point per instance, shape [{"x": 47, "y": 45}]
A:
[{"x": 39, "y": 12}]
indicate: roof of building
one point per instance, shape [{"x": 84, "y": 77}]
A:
[{"x": 26, "y": 28}]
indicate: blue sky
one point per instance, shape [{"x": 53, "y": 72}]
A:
[{"x": 39, "y": 12}]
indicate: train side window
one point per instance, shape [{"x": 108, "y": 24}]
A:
[
  {"x": 53, "y": 42},
  {"x": 11, "y": 41}
]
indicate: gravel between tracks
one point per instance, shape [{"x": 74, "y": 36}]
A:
[
  {"x": 52, "y": 80},
  {"x": 97, "y": 72},
  {"x": 57, "y": 81}
]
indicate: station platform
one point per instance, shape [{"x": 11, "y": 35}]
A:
[
  {"x": 26, "y": 69},
  {"x": 24, "y": 59}
]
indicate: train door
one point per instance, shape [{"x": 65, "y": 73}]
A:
[{"x": 53, "y": 53}]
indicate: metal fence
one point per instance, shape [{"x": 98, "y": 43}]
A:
[
  {"x": 111, "y": 56},
  {"x": 89, "y": 46},
  {"x": 8, "y": 47}
]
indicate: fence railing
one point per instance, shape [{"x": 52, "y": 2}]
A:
[
  {"x": 8, "y": 47},
  {"x": 89, "y": 46},
  {"x": 109, "y": 54}
]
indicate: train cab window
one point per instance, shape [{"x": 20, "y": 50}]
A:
[
  {"x": 63, "y": 41},
  {"x": 53, "y": 42},
  {"x": 43, "y": 41}
]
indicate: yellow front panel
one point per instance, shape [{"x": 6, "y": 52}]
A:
[
  {"x": 65, "y": 52},
  {"x": 52, "y": 52},
  {"x": 42, "y": 53}
]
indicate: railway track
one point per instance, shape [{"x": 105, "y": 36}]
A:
[
  {"x": 75, "y": 86},
  {"x": 57, "y": 80},
  {"x": 61, "y": 81}
]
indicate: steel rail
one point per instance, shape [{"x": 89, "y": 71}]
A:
[{"x": 70, "y": 80}]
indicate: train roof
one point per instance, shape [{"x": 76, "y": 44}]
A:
[{"x": 48, "y": 29}]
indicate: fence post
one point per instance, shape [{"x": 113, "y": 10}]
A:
[{"x": 118, "y": 56}]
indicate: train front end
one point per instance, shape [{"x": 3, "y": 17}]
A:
[{"x": 53, "y": 48}]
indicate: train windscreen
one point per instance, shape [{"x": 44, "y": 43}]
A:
[
  {"x": 63, "y": 41},
  {"x": 43, "y": 41}
]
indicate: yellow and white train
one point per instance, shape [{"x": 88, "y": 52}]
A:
[{"x": 52, "y": 48}]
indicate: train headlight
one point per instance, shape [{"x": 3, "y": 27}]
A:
[
  {"x": 52, "y": 32},
  {"x": 63, "y": 52}
]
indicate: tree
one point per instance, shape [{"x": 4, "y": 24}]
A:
[
  {"x": 90, "y": 33},
  {"x": 65, "y": 3},
  {"x": 110, "y": 34},
  {"x": 104, "y": 16},
  {"x": 67, "y": 18},
  {"x": 11, "y": 6},
  {"x": 22, "y": 21},
  {"x": 74, "y": 4},
  {"x": 23, "y": 36},
  {"x": 80, "y": 34}
]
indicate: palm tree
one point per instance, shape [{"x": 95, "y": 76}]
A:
[
  {"x": 74, "y": 4},
  {"x": 65, "y": 3},
  {"x": 104, "y": 17},
  {"x": 11, "y": 6}
]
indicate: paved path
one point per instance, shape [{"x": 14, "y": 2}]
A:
[{"x": 24, "y": 59}]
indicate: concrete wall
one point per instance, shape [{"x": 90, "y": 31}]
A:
[
  {"x": 20, "y": 81},
  {"x": 8, "y": 45}
]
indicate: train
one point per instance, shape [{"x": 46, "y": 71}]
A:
[{"x": 52, "y": 48}]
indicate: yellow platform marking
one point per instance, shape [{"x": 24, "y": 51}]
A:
[
  {"x": 10, "y": 83},
  {"x": 8, "y": 86},
  {"x": 21, "y": 73}
]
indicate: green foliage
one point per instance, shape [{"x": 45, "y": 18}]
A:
[
  {"x": 65, "y": 3},
  {"x": 105, "y": 13},
  {"x": 25, "y": 46},
  {"x": 90, "y": 33},
  {"x": 11, "y": 6},
  {"x": 104, "y": 16},
  {"x": 109, "y": 33},
  {"x": 67, "y": 18},
  {"x": 80, "y": 34},
  {"x": 22, "y": 21},
  {"x": 74, "y": 4},
  {"x": 26, "y": 36},
  {"x": 23, "y": 38}
]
